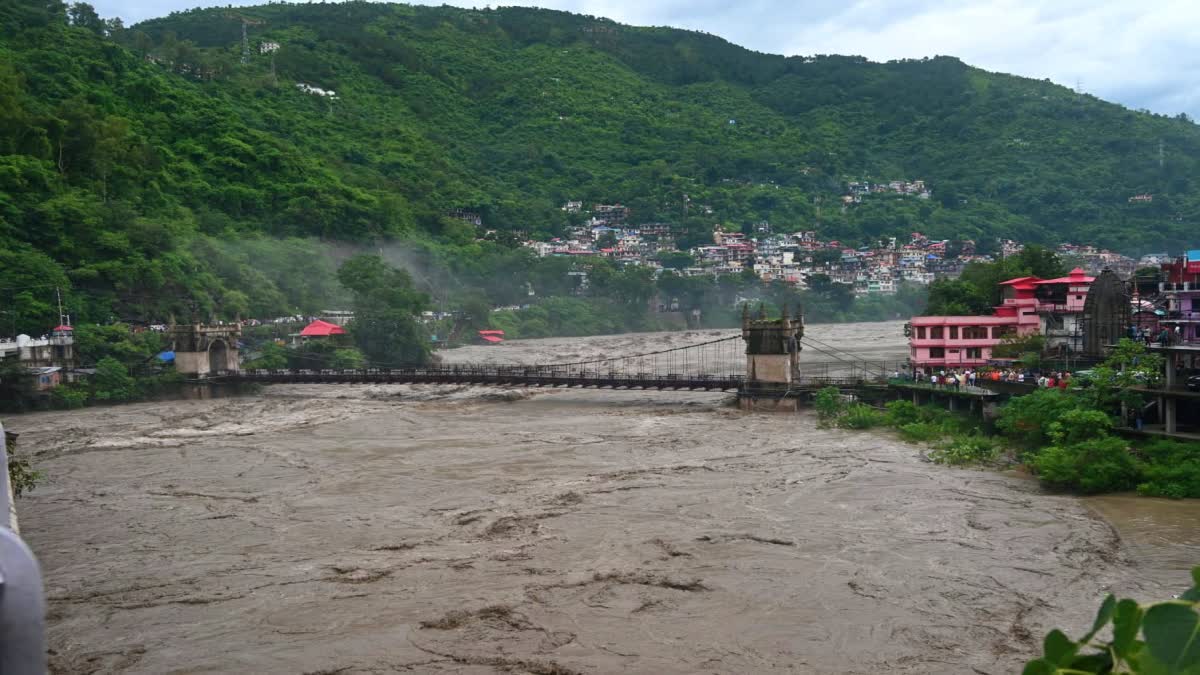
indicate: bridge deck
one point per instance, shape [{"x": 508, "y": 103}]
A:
[{"x": 532, "y": 377}]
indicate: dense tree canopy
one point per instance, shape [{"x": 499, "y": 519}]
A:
[{"x": 146, "y": 171}]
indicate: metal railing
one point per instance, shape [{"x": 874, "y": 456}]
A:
[{"x": 22, "y": 599}]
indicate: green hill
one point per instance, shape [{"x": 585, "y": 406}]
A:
[{"x": 148, "y": 170}]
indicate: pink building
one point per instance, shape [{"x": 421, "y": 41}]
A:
[{"x": 1029, "y": 305}]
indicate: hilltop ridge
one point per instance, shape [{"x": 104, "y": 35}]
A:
[{"x": 132, "y": 157}]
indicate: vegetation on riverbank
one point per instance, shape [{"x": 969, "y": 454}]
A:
[{"x": 1068, "y": 439}]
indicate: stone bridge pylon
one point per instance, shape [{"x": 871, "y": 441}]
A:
[
  {"x": 772, "y": 359},
  {"x": 203, "y": 350}
]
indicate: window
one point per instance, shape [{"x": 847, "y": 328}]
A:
[
  {"x": 937, "y": 353},
  {"x": 1003, "y": 331},
  {"x": 975, "y": 333},
  {"x": 974, "y": 353},
  {"x": 953, "y": 332},
  {"x": 920, "y": 332},
  {"x": 935, "y": 333}
]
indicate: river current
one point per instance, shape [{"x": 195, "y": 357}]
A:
[{"x": 359, "y": 529}]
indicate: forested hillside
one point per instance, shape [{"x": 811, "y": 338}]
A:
[{"x": 161, "y": 168}]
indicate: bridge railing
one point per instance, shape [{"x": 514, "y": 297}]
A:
[{"x": 22, "y": 599}]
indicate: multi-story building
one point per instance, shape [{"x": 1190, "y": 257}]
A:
[
  {"x": 47, "y": 359},
  {"x": 1060, "y": 309},
  {"x": 1181, "y": 290},
  {"x": 968, "y": 341}
]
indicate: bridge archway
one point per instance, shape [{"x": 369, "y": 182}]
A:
[{"x": 218, "y": 356}]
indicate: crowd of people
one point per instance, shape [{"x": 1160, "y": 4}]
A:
[
  {"x": 970, "y": 377},
  {"x": 1165, "y": 335}
]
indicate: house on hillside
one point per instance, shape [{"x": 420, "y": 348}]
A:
[{"x": 318, "y": 330}]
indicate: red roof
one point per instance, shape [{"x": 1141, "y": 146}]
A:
[
  {"x": 321, "y": 328},
  {"x": 64, "y": 328},
  {"x": 492, "y": 338},
  {"x": 1021, "y": 283},
  {"x": 492, "y": 331},
  {"x": 1077, "y": 276}
]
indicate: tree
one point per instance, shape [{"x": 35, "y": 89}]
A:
[
  {"x": 347, "y": 359},
  {"x": 385, "y": 309},
  {"x": 676, "y": 260},
  {"x": 83, "y": 15},
  {"x": 112, "y": 381}
]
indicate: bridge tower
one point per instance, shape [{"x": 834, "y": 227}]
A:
[
  {"x": 772, "y": 359},
  {"x": 204, "y": 350}
]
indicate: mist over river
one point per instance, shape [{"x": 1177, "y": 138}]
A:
[{"x": 365, "y": 529}]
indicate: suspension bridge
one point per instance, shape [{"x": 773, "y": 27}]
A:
[{"x": 716, "y": 365}]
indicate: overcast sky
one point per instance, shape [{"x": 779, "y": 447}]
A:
[{"x": 1142, "y": 54}]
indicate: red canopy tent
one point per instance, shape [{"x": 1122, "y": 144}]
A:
[
  {"x": 321, "y": 328},
  {"x": 492, "y": 336}
]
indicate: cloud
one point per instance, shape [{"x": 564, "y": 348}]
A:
[{"x": 1139, "y": 54}]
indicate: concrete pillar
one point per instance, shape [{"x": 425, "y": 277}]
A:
[
  {"x": 953, "y": 403},
  {"x": 1169, "y": 423},
  {"x": 916, "y": 397}
]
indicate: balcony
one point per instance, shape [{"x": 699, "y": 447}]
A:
[
  {"x": 1181, "y": 287},
  {"x": 1178, "y": 315}
]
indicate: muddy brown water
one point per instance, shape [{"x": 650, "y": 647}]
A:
[{"x": 455, "y": 529}]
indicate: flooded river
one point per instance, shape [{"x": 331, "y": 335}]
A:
[{"x": 359, "y": 529}]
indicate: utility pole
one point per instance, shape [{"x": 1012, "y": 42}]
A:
[
  {"x": 58, "y": 293},
  {"x": 1160, "y": 154}
]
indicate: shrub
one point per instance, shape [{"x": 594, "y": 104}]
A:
[
  {"x": 1077, "y": 426},
  {"x": 112, "y": 381},
  {"x": 1026, "y": 419},
  {"x": 1098, "y": 465},
  {"x": 21, "y": 475},
  {"x": 829, "y": 405},
  {"x": 969, "y": 449},
  {"x": 860, "y": 416},
  {"x": 900, "y": 413},
  {"x": 1172, "y": 470},
  {"x": 68, "y": 397},
  {"x": 921, "y": 432},
  {"x": 347, "y": 359}
]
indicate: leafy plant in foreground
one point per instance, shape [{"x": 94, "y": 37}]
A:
[{"x": 1169, "y": 641}]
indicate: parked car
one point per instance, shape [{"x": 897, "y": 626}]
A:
[{"x": 1193, "y": 383}]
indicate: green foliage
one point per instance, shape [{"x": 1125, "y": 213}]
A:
[
  {"x": 94, "y": 342},
  {"x": 829, "y": 405},
  {"x": 1018, "y": 346},
  {"x": 272, "y": 356},
  {"x": 147, "y": 172},
  {"x": 385, "y": 304},
  {"x": 977, "y": 290},
  {"x": 21, "y": 475},
  {"x": 1025, "y": 420},
  {"x": 1169, "y": 641},
  {"x": 1101, "y": 464},
  {"x": 860, "y": 416},
  {"x": 112, "y": 382},
  {"x": 347, "y": 359},
  {"x": 966, "y": 449},
  {"x": 1172, "y": 469},
  {"x": 921, "y": 432},
  {"x": 69, "y": 397},
  {"x": 901, "y": 412},
  {"x": 1112, "y": 382}
]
